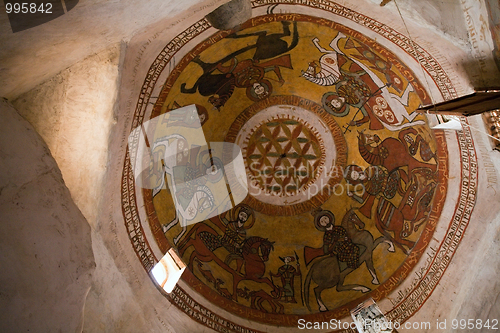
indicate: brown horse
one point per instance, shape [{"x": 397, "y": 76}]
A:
[
  {"x": 326, "y": 271},
  {"x": 255, "y": 252}
]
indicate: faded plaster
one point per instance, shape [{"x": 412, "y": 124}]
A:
[
  {"x": 47, "y": 260},
  {"x": 74, "y": 113}
]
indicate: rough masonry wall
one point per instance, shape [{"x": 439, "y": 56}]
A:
[
  {"x": 73, "y": 112},
  {"x": 447, "y": 18},
  {"x": 47, "y": 259},
  {"x": 463, "y": 23},
  {"x": 480, "y": 298}
]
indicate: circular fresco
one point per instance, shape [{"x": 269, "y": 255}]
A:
[{"x": 342, "y": 173}]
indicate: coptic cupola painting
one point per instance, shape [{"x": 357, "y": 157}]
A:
[{"x": 345, "y": 181}]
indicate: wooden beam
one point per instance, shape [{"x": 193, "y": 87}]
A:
[{"x": 478, "y": 102}]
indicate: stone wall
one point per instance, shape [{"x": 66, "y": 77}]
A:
[
  {"x": 33, "y": 56},
  {"x": 74, "y": 113},
  {"x": 47, "y": 259}
]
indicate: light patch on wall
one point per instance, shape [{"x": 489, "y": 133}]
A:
[{"x": 168, "y": 270}]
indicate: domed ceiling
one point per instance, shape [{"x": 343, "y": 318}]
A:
[{"x": 346, "y": 182}]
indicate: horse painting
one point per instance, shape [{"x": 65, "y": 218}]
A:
[
  {"x": 254, "y": 254},
  {"x": 403, "y": 220},
  {"x": 395, "y": 153},
  {"x": 389, "y": 108},
  {"x": 326, "y": 271}
]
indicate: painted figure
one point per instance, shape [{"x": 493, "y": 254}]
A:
[
  {"x": 234, "y": 235},
  {"x": 249, "y": 252},
  {"x": 336, "y": 242},
  {"x": 248, "y": 74},
  {"x": 357, "y": 85},
  {"x": 397, "y": 223},
  {"x": 268, "y": 45},
  {"x": 402, "y": 220},
  {"x": 192, "y": 119},
  {"x": 189, "y": 177},
  {"x": 219, "y": 81},
  {"x": 393, "y": 153},
  {"x": 287, "y": 273},
  {"x": 235, "y": 232},
  {"x": 259, "y": 90},
  {"x": 335, "y": 105},
  {"x": 327, "y": 271},
  {"x": 395, "y": 170},
  {"x": 179, "y": 152},
  {"x": 376, "y": 62},
  {"x": 375, "y": 181},
  {"x": 255, "y": 253}
]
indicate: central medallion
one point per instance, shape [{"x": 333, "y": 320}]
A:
[
  {"x": 291, "y": 152},
  {"x": 284, "y": 154}
]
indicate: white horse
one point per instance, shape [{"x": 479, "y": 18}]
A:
[
  {"x": 329, "y": 74},
  {"x": 175, "y": 146}
]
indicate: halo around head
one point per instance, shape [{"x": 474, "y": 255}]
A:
[
  {"x": 268, "y": 89},
  {"x": 249, "y": 211},
  {"x": 319, "y": 215},
  {"x": 326, "y": 102}
]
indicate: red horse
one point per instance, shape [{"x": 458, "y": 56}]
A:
[
  {"x": 255, "y": 252},
  {"x": 393, "y": 153},
  {"x": 408, "y": 216}
]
